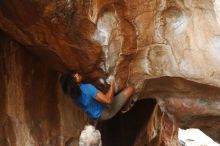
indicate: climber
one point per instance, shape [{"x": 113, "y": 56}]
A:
[{"x": 96, "y": 104}]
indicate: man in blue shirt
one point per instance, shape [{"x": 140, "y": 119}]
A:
[
  {"x": 88, "y": 102},
  {"x": 93, "y": 101}
]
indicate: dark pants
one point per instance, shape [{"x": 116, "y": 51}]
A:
[{"x": 112, "y": 109}]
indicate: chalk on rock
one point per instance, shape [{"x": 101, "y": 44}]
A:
[
  {"x": 111, "y": 77},
  {"x": 102, "y": 81}
]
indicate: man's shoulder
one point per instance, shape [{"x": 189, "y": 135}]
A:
[
  {"x": 87, "y": 86},
  {"x": 90, "y": 87}
]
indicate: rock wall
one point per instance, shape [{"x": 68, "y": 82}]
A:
[
  {"x": 134, "y": 41},
  {"x": 34, "y": 111},
  {"x": 160, "y": 131},
  {"x": 167, "y": 49}
]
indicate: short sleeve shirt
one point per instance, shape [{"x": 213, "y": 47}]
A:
[{"x": 87, "y": 101}]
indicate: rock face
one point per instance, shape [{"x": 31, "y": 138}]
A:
[
  {"x": 160, "y": 131},
  {"x": 167, "y": 49},
  {"x": 33, "y": 109}
]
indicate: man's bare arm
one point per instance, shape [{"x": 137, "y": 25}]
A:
[{"x": 107, "y": 98}]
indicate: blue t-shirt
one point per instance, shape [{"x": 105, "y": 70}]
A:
[{"x": 87, "y": 101}]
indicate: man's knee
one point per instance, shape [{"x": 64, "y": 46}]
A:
[{"x": 129, "y": 91}]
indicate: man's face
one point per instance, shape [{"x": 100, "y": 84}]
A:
[{"x": 77, "y": 77}]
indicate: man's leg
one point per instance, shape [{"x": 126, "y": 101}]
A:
[
  {"x": 128, "y": 91},
  {"x": 117, "y": 103},
  {"x": 129, "y": 104}
]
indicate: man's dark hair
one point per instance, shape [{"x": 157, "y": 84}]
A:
[{"x": 69, "y": 85}]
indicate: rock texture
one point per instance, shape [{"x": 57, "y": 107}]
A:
[
  {"x": 166, "y": 49},
  {"x": 160, "y": 131},
  {"x": 34, "y": 111}
]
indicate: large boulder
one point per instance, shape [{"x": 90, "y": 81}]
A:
[{"x": 167, "y": 49}]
